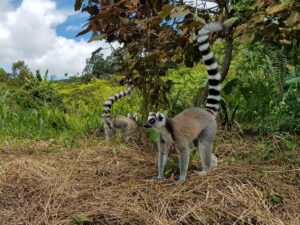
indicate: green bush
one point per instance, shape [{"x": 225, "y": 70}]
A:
[
  {"x": 36, "y": 95},
  {"x": 266, "y": 92},
  {"x": 188, "y": 87},
  {"x": 62, "y": 109}
]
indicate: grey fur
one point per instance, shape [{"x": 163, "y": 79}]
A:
[
  {"x": 117, "y": 124},
  {"x": 192, "y": 125}
]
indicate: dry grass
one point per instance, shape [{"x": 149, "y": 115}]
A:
[{"x": 112, "y": 185}]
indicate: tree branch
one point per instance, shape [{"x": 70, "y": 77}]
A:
[
  {"x": 228, "y": 55},
  {"x": 229, "y": 48}
]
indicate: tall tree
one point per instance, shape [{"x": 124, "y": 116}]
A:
[
  {"x": 21, "y": 72},
  {"x": 97, "y": 66},
  {"x": 3, "y": 75},
  {"x": 156, "y": 34}
]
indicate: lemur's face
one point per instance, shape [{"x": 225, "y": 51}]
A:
[{"x": 155, "y": 121}]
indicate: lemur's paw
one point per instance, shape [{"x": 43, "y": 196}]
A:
[
  {"x": 201, "y": 173},
  {"x": 214, "y": 161},
  {"x": 181, "y": 179},
  {"x": 159, "y": 178}
]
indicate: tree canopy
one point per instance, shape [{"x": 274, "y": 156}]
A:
[
  {"x": 97, "y": 66},
  {"x": 158, "y": 34}
]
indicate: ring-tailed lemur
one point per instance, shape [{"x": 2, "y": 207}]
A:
[
  {"x": 195, "y": 124},
  {"x": 119, "y": 123}
]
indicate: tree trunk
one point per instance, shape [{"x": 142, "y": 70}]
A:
[{"x": 228, "y": 55}]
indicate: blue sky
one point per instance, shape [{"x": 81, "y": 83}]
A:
[
  {"x": 71, "y": 26},
  {"x": 42, "y": 33}
]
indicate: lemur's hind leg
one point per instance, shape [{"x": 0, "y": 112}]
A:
[
  {"x": 184, "y": 158},
  {"x": 205, "y": 145}
]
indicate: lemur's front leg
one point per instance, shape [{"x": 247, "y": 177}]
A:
[{"x": 163, "y": 151}]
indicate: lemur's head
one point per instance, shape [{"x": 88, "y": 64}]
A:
[
  {"x": 132, "y": 116},
  {"x": 109, "y": 126},
  {"x": 156, "y": 121}
]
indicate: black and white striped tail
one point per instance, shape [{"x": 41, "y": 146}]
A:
[
  {"x": 214, "y": 76},
  {"x": 111, "y": 100}
]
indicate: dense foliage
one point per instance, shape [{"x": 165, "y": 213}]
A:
[
  {"x": 260, "y": 93},
  {"x": 264, "y": 90},
  {"x": 44, "y": 109},
  {"x": 98, "y": 67},
  {"x": 156, "y": 34}
]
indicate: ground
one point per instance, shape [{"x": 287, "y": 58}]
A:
[{"x": 112, "y": 184}]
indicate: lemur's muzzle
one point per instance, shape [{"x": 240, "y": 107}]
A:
[{"x": 146, "y": 125}]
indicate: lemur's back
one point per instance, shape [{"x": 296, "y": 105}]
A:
[
  {"x": 122, "y": 122},
  {"x": 189, "y": 123}
]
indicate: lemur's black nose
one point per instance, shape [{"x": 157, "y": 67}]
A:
[{"x": 146, "y": 125}]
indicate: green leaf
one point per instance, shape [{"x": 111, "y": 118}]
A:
[
  {"x": 247, "y": 38},
  {"x": 180, "y": 14},
  {"x": 277, "y": 8},
  {"x": 290, "y": 67},
  {"x": 97, "y": 37},
  {"x": 200, "y": 21},
  {"x": 80, "y": 219},
  {"x": 296, "y": 27},
  {"x": 286, "y": 1},
  {"x": 165, "y": 11},
  {"x": 230, "y": 85},
  {"x": 170, "y": 167},
  {"x": 78, "y": 5},
  {"x": 293, "y": 18},
  {"x": 171, "y": 65},
  {"x": 243, "y": 28},
  {"x": 154, "y": 135},
  {"x": 259, "y": 4},
  {"x": 230, "y": 22},
  {"x": 275, "y": 198},
  {"x": 293, "y": 80},
  {"x": 284, "y": 41},
  {"x": 84, "y": 31},
  {"x": 258, "y": 17}
]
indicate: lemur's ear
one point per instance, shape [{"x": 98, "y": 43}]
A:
[
  {"x": 160, "y": 116},
  {"x": 135, "y": 116},
  {"x": 151, "y": 113},
  {"x": 128, "y": 115}
]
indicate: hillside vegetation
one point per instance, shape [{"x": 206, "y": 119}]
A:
[{"x": 56, "y": 167}]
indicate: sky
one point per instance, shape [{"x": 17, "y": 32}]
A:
[{"x": 42, "y": 33}]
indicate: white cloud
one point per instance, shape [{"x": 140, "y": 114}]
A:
[
  {"x": 28, "y": 33},
  {"x": 4, "y": 6},
  {"x": 73, "y": 28}
]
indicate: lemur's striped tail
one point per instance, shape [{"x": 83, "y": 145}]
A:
[
  {"x": 111, "y": 100},
  {"x": 214, "y": 76}
]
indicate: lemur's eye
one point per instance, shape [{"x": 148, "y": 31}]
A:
[{"x": 152, "y": 121}]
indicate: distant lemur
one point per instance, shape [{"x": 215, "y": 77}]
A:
[
  {"x": 194, "y": 125},
  {"x": 118, "y": 124}
]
